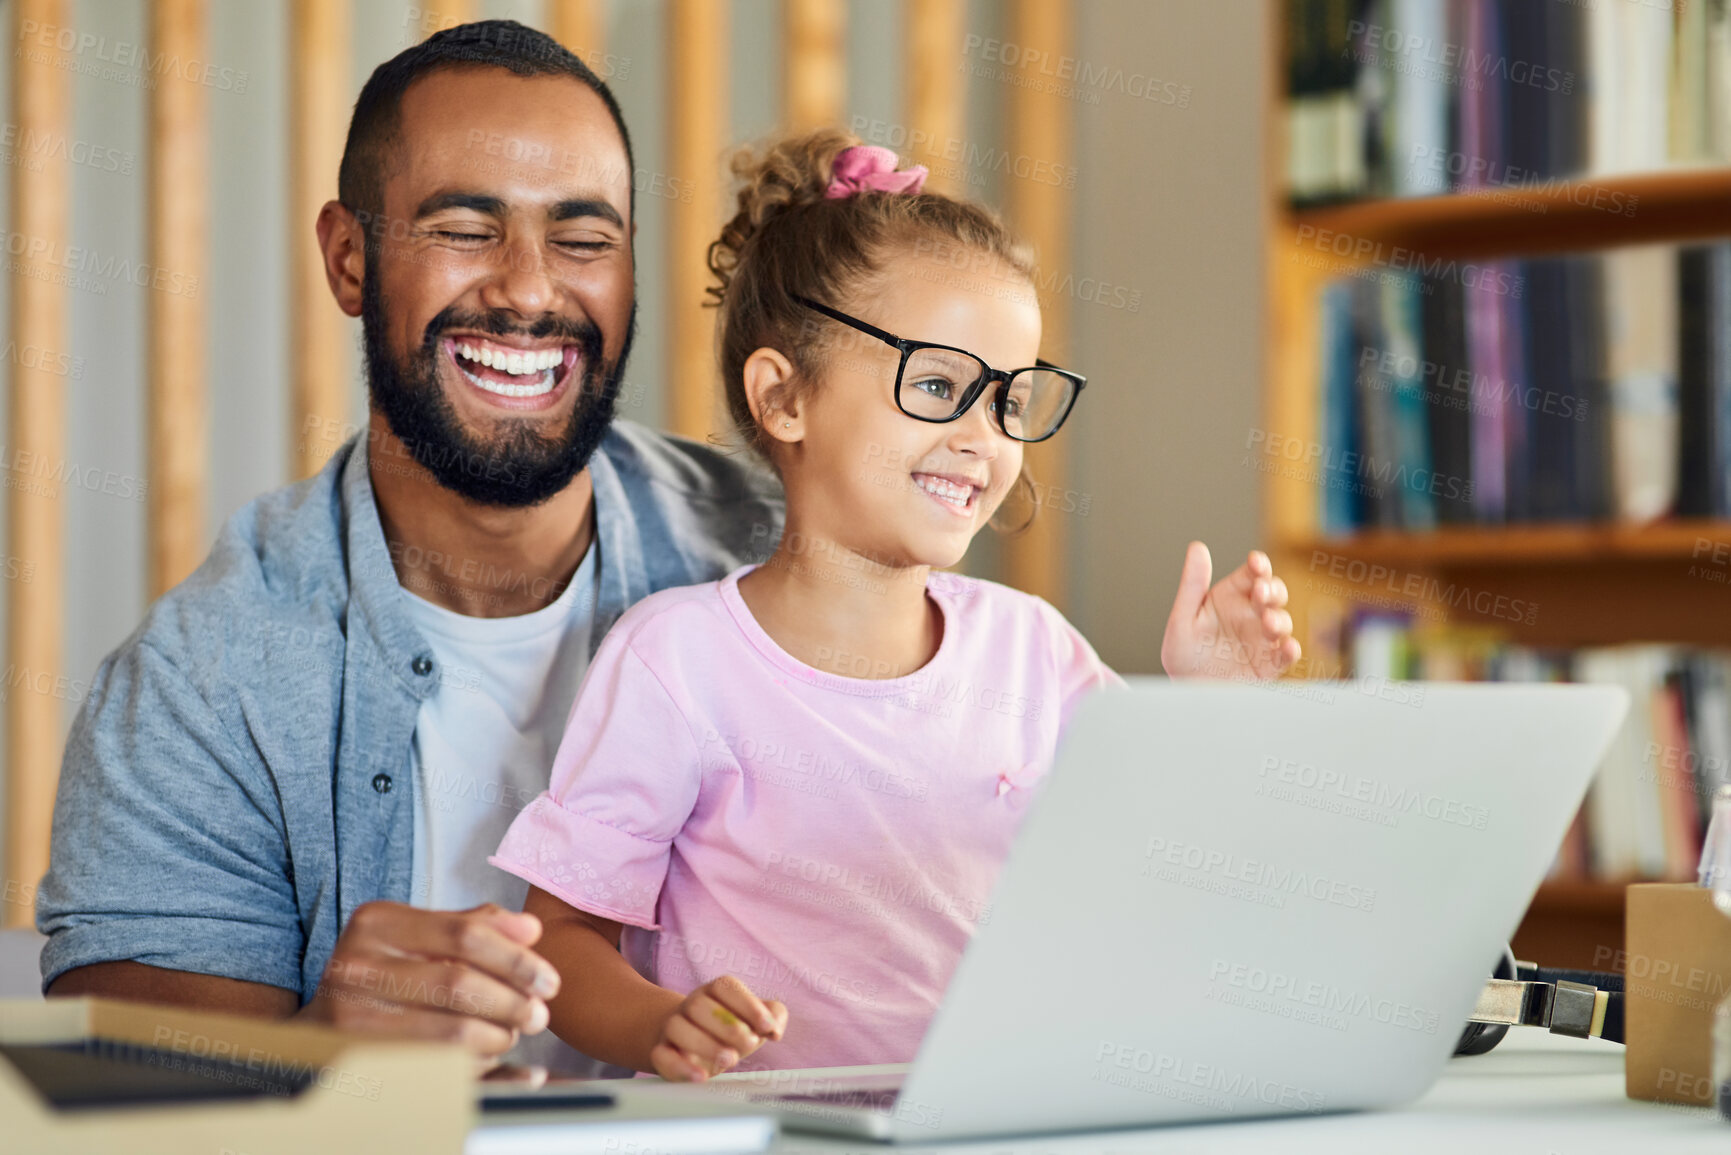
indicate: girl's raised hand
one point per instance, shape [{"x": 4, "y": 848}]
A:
[
  {"x": 1239, "y": 628},
  {"x": 718, "y": 1025}
]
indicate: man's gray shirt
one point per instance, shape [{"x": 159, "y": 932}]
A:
[{"x": 238, "y": 780}]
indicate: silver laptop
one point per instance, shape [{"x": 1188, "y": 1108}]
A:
[{"x": 1235, "y": 901}]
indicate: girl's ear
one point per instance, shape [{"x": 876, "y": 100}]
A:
[{"x": 769, "y": 390}]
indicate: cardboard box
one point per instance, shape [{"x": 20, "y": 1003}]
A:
[
  {"x": 1677, "y": 969},
  {"x": 363, "y": 1095}
]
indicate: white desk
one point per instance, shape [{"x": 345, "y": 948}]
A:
[{"x": 1535, "y": 1094}]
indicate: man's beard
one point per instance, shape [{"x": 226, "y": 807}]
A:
[{"x": 514, "y": 469}]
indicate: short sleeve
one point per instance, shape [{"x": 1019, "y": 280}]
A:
[
  {"x": 624, "y": 781},
  {"x": 1080, "y": 670},
  {"x": 168, "y": 845}
]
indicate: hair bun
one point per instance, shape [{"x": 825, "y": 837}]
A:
[{"x": 792, "y": 172}]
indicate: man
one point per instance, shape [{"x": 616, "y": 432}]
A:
[{"x": 280, "y": 794}]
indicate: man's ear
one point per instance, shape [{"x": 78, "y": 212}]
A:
[
  {"x": 342, "y": 240},
  {"x": 769, "y": 391}
]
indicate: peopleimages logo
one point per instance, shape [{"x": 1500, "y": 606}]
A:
[
  {"x": 35, "y": 146},
  {"x": 224, "y": 1059},
  {"x": 756, "y": 757},
  {"x": 915, "y": 890},
  {"x": 1463, "y": 388},
  {"x": 1118, "y": 1063},
  {"x": 1230, "y": 868},
  {"x": 971, "y": 160},
  {"x": 50, "y": 254},
  {"x": 1488, "y": 277},
  {"x": 1415, "y": 587},
  {"x": 1319, "y": 464},
  {"x": 1395, "y": 801},
  {"x": 124, "y": 55},
  {"x": 1322, "y": 996},
  {"x": 1533, "y": 186},
  {"x": 1070, "y": 76},
  {"x": 1459, "y": 64}
]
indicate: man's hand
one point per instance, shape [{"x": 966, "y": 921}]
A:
[
  {"x": 718, "y": 1025},
  {"x": 1237, "y": 629},
  {"x": 459, "y": 976}
]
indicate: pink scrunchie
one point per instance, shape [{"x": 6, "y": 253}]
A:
[{"x": 867, "y": 168}]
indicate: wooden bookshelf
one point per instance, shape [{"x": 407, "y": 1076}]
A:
[
  {"x": 1565, "y": 214},
  {"x": 1573, "y": 924},
  {"x": 1524, "y": 545},
  {"x": 1591, "y": 584},
  {"x": 1560, "y": 585}
]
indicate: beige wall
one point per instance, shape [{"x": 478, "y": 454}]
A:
[{"x": 1169, "y": 202}]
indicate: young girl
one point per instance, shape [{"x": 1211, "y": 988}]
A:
[{"x": 805, "y": 777}]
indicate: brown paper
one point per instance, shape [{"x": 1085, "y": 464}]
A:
[{"x": 1677, "y": 969}]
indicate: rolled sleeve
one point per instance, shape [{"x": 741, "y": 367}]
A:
[
  {"x": 251, "y": 952},
  {"x": 586, "y": 864},
  {"x": 623, "y": 784},
  {"x": 168, "y": 845}
]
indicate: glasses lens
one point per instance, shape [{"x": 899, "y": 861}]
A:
[
  {"x": 1035, "y": 402},
  {"x": 934, "y": 381}
]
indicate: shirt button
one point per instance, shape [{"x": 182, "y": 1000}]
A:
[
  {"x": 422, "y": 665},
  {"x": 382, "y": 783}
]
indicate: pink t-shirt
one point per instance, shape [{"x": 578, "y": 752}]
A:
[{"x": 830, "y": 840}]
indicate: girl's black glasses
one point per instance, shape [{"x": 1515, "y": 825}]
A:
[{"x": 940, "y": 383}]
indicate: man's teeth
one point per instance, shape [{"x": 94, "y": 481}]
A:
[
  {"x": 947, "y": 490},
  {"x": 536, "y": 365},
  {"x": 544, "y": 385},
  {"x": 515, "y": 363}
]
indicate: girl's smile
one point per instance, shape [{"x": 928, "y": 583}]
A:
[{"x": 956, "y": 494}]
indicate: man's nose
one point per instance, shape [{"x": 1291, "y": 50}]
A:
[{"x": 521, "y": 283}]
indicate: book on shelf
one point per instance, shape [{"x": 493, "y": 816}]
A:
[
  {"x": 1392, "y": 98},
  {"x": 1647, "y": 809},
  {"x": 1575, "y": 389},
  {"x": 1642, "y": 339}
]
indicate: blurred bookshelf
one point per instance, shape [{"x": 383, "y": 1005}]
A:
[
  {"x": 1616, "y": 583},
  {"x": 1577, "y": 924},
  {"x": 1540, "y": 218},
  {"x": 1528, "y": 544}
]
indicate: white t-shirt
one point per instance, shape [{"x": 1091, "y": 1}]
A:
[{"x": 484, "y": 745}]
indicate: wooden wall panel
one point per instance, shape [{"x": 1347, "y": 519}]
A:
[
  {"x": 179, "y": 217},
  {"x": 814, "y": 64},
  {"x": 697, "y": 135},
  {"x": 319, "y": 108},
  {"x": 936, "y": 108},
  {"x": 579, "y": 25},
  {"x": 1039, "y": 127},
  {"x": 36, "y": 414}
]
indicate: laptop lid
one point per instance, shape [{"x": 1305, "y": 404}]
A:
[{"x": 1235, "y": 901}]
